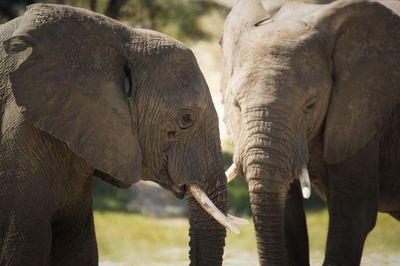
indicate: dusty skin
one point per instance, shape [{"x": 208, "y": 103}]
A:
[
  {"x": 121, "y": 103},
  {"x": 314, "y": 86}
]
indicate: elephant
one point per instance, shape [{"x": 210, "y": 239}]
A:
[
  {"x": 311, "y": 94},
  {"x": 82, "y": 95}
]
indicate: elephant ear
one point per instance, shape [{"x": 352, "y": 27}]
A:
[
  {"x": 75, "y": 85},
  {"x": 366, "y": 54}
]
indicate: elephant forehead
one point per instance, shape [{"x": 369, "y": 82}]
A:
[
  {"x": 285, "y": 29},
  {"x": 187, "y": 98},
  {"x": 187, "y": 85},
  {"x": 295, "y": 11}
]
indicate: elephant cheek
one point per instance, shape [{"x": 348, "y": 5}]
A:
[{"x": 184, "y": 168}]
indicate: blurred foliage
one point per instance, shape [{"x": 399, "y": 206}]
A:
[
  {"x": 10, "y": 9},
  {"x": 178, "y": 18},
  {"x": 109, "y": 198}
]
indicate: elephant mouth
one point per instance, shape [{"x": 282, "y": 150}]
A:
[{"x": 178, "y": 191}]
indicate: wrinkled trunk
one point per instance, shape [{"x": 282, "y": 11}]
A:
[
  {"x": 267, "y": 165},
  {"x": 268, "y": 208},
  {"x": 207, "y": 236}
]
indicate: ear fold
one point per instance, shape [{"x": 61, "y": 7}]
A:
[
  {"x": 366, "y": 73},
  {"x": 72, "y": 86}
]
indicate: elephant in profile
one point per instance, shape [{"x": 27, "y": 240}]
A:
[
  {"x": 314, "y": 89},
  {"x": 83, "y": 95}
]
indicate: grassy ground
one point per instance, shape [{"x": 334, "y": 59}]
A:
[{"x": 130, "y": 239}]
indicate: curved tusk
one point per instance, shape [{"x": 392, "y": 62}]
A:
[
  {"x": 237, "y": 220},
  {"x": 305, "y": 182},
  {"x": 209, "y": 207},
  {"x": 231, "y": 173}
]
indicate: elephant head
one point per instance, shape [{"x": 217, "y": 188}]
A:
[
  {"x": 297, "y": 75},
  {"x": 132, "y": 103}
]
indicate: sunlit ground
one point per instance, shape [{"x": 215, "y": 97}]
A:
[{"x": 130, "y": 239}]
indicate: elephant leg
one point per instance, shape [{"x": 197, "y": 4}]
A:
[
  {"x": 353, "y": 188},
  {"x": 74, "y": 239},
  {"x": 296, "y": 227},
  {"x": 25, "y": 216},
  {"x": 25, "y": 237}
]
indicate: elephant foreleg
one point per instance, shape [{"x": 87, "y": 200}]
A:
[
  {"x": 296, "y": 227},
  {"x": 26, "y": 238},
  {"x": 74, "y": 239},
  {"x": 353, "y": 188}
]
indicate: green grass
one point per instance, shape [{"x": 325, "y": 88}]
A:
[
  {"x": 132, "y": 239},
  {"x": 137, "y": 240}
]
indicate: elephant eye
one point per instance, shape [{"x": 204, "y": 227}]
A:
[
  {"x": 185, "y": 118},
  {"x": 237, "y": 105},
  {"x": 185, "y": 121},
  {"x": 127, "y": 83},
  {"x": 310, "y": 106}
]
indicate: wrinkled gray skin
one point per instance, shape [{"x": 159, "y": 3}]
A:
[
  {"x": 81, "y": 94},
  {"x": 315, "y": 85}
]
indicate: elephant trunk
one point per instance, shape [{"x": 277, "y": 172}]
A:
[
  {"x": 207, "y": 236},
  {"x": 267, "y": 161},
  {"x": 268, "y": 208}
]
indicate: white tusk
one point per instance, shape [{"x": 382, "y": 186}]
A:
[
  {"x": 305, "y": 182},
  {"x": 237, "y": 220},
  {"x": 209, "y": 207},
  {"x": 231, "y": 173}
]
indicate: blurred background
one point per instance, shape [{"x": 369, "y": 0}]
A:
[{"x": 145, "y": 224}]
